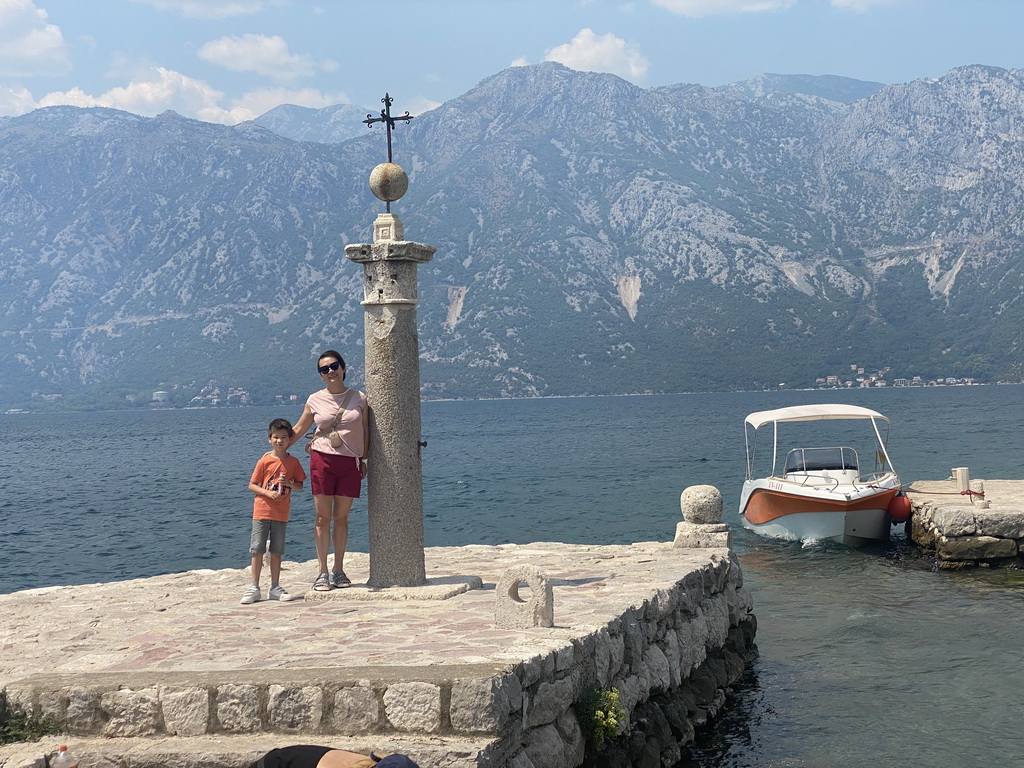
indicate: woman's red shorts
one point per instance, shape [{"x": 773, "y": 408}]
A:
[{"x": 333, "y": 475}]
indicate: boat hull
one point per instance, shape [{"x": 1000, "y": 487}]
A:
[{"x": 854, "y": 516}]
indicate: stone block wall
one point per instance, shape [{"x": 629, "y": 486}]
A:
[
  {"x": 674, "y": 654},
  {"x": 324, "y": 708},
  {"x": 967, "y": 535}
]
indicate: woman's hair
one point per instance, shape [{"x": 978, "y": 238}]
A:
[{"x": 331, "y": 353}]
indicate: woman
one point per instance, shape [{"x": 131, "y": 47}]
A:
[
  {"x": 305, "y": 756},
  {"x": 337, "y": 462}
]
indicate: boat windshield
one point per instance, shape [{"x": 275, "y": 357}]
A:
[{"x": 817, "y": 459}]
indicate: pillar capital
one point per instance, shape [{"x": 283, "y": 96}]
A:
[
  {"x": 389, "y": 270},
  {"x": 390, "y": 250}
]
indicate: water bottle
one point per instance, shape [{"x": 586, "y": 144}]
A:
[{"x": 63, "y": 759}]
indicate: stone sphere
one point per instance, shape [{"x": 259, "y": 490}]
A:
[
  {"x": 388, "y": 182},
  {"x": 701, "y": 504}
]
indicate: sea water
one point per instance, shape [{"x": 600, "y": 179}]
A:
[{"x": 867, "y": 657}]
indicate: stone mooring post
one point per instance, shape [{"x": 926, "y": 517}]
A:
[{"x": 394, "y": 470}]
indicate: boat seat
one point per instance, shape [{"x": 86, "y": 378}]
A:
[{"x": 839, "y": 459}]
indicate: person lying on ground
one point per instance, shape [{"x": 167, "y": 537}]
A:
[{"x": 309, "y": 756}]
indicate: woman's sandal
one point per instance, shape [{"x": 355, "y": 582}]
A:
[{"x": 322, "y": 583}]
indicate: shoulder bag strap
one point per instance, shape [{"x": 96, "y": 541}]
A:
[{"x": 337, "y": 417}]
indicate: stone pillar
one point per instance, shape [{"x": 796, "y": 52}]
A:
[
  {"x": 394, "y": 474},
  {"x": 702, "y": 524}
]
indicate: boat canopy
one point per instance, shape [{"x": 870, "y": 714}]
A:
[{"x": 818, "y": 412}]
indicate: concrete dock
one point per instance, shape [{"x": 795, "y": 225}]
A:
[
  {"x": 172, "y": 670},
  {"x": 969, "y": 527}
]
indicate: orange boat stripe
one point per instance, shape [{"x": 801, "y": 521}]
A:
[{"x": 763, "y": 506}]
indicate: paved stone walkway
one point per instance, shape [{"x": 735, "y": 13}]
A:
[
  {"x": 193, "y": 621},
  {"x": 189, "y": 628},
  {"x": 1005, "y": 497}
]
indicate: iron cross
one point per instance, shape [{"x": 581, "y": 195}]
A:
[{"x": 387, "y": 119}]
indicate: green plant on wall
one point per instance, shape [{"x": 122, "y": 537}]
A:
[
  {"x": 599, "y": 714},
  {"x": 17, "y": 725}
]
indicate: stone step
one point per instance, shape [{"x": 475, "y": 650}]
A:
[{"x": 223, "y": 751}]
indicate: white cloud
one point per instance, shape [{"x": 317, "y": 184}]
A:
[
  {"x": 28, "y": 44},
  {"x": 600, "y": 53},
  {"x": 15, "y": 101},
  {"x": 210, "y": 9},
  {"x": 520, "y": 62},
  {"x": 421, "y": 104},
  {"x": 164, "y": 89},
  {"x": 698, "y": 8},
  {"x": 264, "y": 55}
]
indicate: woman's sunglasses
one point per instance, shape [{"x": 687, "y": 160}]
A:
[{"x": 329, "y": 367}]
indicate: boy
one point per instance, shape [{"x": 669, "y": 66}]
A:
[{"x": 276, "y": 475}]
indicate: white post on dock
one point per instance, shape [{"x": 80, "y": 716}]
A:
[{"x": 962, "y": 478}]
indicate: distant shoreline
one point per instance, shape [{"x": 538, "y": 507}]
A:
[{"x": 162, "y": 407}]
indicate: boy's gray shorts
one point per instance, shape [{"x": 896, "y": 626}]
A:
[{"x": 267, "y": 529}]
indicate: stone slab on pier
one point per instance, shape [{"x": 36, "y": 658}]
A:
[
  {"x": 968, "y": 529},
  {"x": 131, "y": 667}
]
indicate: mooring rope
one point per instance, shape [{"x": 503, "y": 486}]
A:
[{"x": 949, "y": 493}]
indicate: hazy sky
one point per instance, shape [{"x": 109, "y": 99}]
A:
[{"x": 230, "y": 60}]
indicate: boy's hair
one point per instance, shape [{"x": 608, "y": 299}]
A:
[{"x": 280, "y": 424}]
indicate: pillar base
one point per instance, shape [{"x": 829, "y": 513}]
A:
[{"x": 388, "y": 228}]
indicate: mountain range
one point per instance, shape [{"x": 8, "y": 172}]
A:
[{"x": 593, "y": 237}]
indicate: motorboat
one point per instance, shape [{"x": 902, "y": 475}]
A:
[{"x": 821, "y": 493}]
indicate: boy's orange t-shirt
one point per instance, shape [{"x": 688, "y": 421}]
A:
[{"x": 265, "y": 476}]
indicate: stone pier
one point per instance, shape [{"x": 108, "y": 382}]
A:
[
  {"x": 172, "y": 671},
  {"x": 969, "y": 523}
]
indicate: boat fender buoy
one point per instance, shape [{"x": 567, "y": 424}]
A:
[{"x": 899, "y": 508}]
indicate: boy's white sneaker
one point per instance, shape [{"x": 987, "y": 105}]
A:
[
  {"x": 251, "y": 595},
  {"x": 282, "y": 594}
]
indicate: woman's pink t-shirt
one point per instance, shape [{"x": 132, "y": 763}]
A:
[{"x": 351, "y": 426}]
